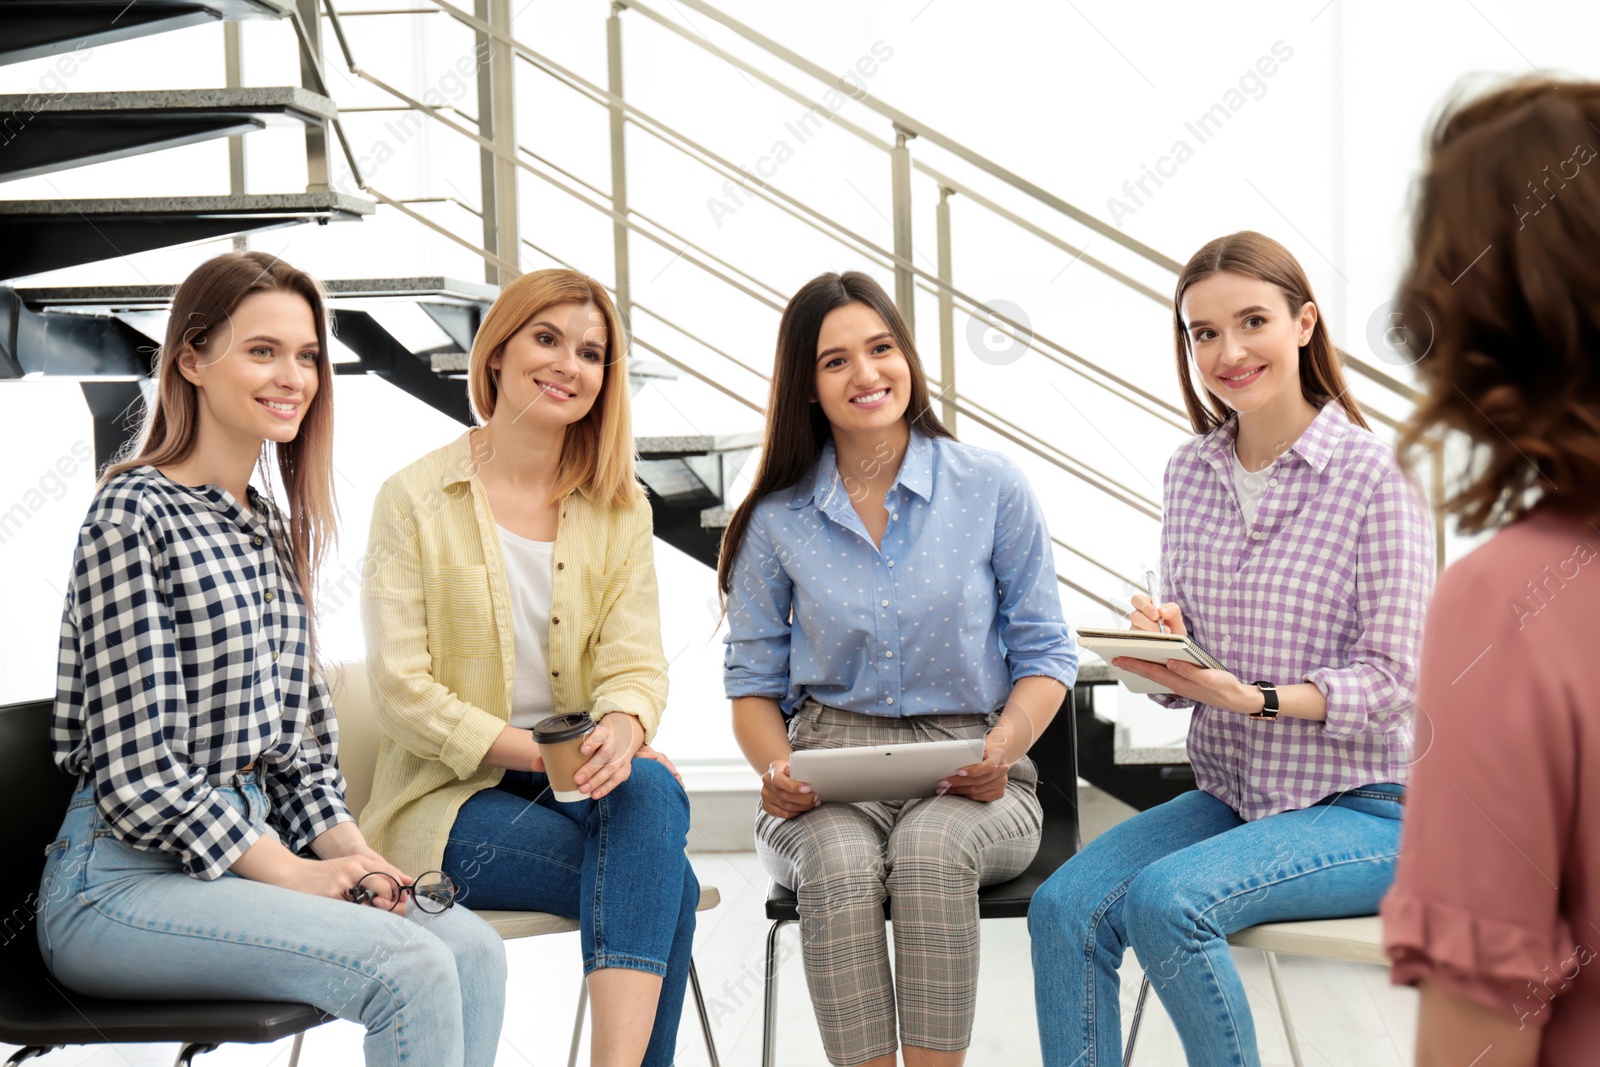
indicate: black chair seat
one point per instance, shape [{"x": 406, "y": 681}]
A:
[
  {"x": 35, "y": 1009},
  {"x": 51, "y": 1014}
]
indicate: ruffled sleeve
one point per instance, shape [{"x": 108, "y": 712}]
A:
[{"x": 1477, "y": 901}]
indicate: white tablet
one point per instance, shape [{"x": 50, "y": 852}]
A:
[
  {"x": 1145, "y": 645},
  {"x": 882, "y": 772}
]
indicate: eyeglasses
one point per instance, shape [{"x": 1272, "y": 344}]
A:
[{"x": 433, "y": 892}]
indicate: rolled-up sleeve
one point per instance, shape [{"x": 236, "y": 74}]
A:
[
  {"x": 420, "y": 714},
  {"x": 307, "y": 790},
  {"x": 119, "y": 627},
  {"x": 1036, "y": 638},
  {"x": 1375, "y": 690},
  {"x": 756, "y": 662},
  {"x": 630, "y": 670}
]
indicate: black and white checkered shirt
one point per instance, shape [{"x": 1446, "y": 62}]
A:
[{"x": 183, "y": 661}]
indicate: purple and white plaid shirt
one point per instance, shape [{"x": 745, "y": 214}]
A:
[{"x": 1328, "y": 586}]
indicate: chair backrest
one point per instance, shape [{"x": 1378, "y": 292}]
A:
[
  {"x": 359, "y": 734},
  {"x": 34, "y": 796},
  {"x": 1056, "y": 756}
]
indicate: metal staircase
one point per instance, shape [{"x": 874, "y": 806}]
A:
[{"x": 414, "y": 331}]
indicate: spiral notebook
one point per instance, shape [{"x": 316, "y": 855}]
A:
[{"x": 1145, "y": 645}]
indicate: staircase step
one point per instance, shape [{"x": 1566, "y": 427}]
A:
[
  {"x": 32, "y": 29},
  {"x": 673, "y": 447},
  {"x": 43, "y": 133},
  {"x": 41, "y": 235}
]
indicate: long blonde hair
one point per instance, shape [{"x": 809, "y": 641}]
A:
[
  {"x": 597, "y": 455},
  {"x": 203, "y": 304}
]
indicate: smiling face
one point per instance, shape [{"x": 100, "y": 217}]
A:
[
  {"x": 1246, "y": 340},
  {"x": 257, "y": 373},
  {"x": 863, "y": 381},
  {"x": 551, "y": 369}
]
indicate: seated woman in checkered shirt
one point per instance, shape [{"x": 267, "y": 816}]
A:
[
  {"x": 1295, "y": 551},
  {"x": 190, "y": 706}
]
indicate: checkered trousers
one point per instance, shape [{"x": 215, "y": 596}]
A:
[
  {"x": 928, "y": 856},
  {"x": 184, "y": 659},
  {"x": 1329, "y": 585}
]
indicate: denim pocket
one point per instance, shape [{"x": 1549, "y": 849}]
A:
[{"x": 110, "y": 858}]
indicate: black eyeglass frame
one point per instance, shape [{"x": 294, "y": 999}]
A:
[{"x": 428, "y": 898}]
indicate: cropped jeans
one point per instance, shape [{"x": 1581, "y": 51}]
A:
[
  {"x": 1172, "y": 883},
  {"x": 116, "y": 921},
  {"x": 616, "y": 864}
]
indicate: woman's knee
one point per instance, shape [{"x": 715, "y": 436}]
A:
[
  {"x": 1160, "y": 908},
  {"x": 1067, "y": 903},
  {"x": 650, "y": 788}
]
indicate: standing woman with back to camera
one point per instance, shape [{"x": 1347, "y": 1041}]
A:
[
  {"x": 886, "y": 583},
  {"x": 1294, "y": 551},
  {"x": 190, "y": 705},
  {"x": 1495, "y": 911}
]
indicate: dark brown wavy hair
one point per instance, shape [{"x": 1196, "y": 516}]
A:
[
  {"x": 796, "y": 428},
  {"x": 1257, "y": 256},
  {"x": 1505, "y": 273}
]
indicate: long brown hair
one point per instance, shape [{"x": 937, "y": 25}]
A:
[
  {"x": 796, "y": 428},
  {"x": 200, "y": 311},
  {"x": 597, "y": 453},
  {"x": 1258, "y": 256},
  {"x": 1503, "y": 271}
]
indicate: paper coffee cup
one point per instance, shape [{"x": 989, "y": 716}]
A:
[{"x": 560, "y": 739}]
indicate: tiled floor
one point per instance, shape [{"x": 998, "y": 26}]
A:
[{"x": 1346, "y": 1014}]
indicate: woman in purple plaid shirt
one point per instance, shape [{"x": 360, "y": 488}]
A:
[{"x": 1295, "y": 551}]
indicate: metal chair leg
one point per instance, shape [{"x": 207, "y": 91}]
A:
[
  {"x": 30, "y": 1052},
  {"x": 705, "y": 1020},
  {"x": 1283, "y": 1009},
  {"x": 294, "y": 1050},
  {"x": 187, "y": 1054},
  {"x": 1138, "y": 1016},
  {"x": 769, "y": 1023},
  {"x": 577, "y": 1023}
]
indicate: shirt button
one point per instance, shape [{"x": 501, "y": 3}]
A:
[
  {"x": 888, "y": 655},
  {"x": 561, "y": 566},
  {"x": 1257, "y": 535},
  {"x": 885, "y": 603},
  {"x": 258, "y": 540},
  {"x": 895, "y": 515},
  {"x": 555, "y": 620},
  {"x": 1274, "y": 481},
  {"x": 274, "y": 655},
  {"x": 890, "y": 700},
  {"x": 555, "y": 674},
  {"x": 269, "y": 596},
  {"x": 891, "y": 563}
]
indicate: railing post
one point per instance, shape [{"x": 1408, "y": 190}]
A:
[
  {"x": 502, "y": 233},
  {"x": 905, "y": 282},
  {"x": 619, "y": 166},
  {"x": 947, "y": 315},
  {"x": 310, "y": 13},
  {"x": 1438, "y": 502},
  {"x": 233, "y": 53}
]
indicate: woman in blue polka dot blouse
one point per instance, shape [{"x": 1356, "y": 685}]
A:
[{"x": 887, "y": 584}]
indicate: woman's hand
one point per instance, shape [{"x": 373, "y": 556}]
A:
[
  {"x": 613, "y": 743},
  {"x": 646, "y": 752},
  {"x": 1147, "y": 616},
  {"x": 781, "y": 796},
  {"x": 1203, "y": 685},
  {"x": 983, "y": 781}
]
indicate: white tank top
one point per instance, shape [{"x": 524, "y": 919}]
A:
[{"x": 531, "y": 577}]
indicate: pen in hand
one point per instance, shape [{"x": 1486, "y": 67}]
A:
[{"x": 1150, "y": 580}]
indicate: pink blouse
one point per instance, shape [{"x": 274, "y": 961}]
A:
[{"x": 1497, "y": 893}]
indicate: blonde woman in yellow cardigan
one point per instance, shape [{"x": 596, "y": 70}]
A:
[{"x": 511, "y": 578}]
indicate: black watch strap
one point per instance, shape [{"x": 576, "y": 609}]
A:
[{"x": 1269, "y": 694}]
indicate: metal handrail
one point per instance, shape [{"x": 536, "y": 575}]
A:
[{"x": 624, "y": 217}]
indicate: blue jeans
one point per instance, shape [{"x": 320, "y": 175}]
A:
[
  {"x": 116, "y": 921},
  {"x": 615, "y": 864},
  {"x": 1173, "y": 882}
]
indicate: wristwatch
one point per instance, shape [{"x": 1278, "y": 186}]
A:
[{"x": 1269, "y": 693}]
